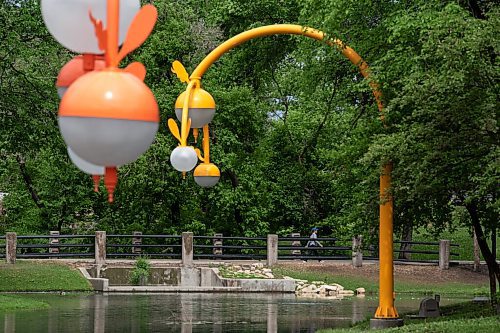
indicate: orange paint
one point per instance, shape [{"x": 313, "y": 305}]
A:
[
  {"x": 97, "y": 180},
  {"x": 110, "y": 94},
  {"x": 110, "y": 181},
  {"x": 77, "y": 67}
]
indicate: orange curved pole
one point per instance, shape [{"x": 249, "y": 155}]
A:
[{"x": 386, "y": 308}]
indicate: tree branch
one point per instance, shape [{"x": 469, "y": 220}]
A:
[{"x": 28, "y": 181}]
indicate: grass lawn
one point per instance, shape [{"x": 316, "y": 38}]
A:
[
  {"x": 20, "y": 302},
  {"x": 351, "y": 279},
  {"x": 464, "y": 318},
  {"x": 460, "y": 236},
  {"x": 40, "y": 276}
]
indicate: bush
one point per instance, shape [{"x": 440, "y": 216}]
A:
[{"x": 141, "y": 272}]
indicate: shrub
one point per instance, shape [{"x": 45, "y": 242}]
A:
[{"x": 141, "y": 272}]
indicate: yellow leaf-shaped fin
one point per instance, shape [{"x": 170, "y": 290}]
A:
[
  {"x": 180, "y": 71},
  {"x": 174, "y": 129},
  {"x": 198, "y": 152},
  {"x": 186, "y": 133}
]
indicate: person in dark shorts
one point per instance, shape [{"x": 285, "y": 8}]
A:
[{"x": 313, "y": 243}]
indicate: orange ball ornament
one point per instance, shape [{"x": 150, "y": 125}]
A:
[
  {"x": 76, "y": 67},
  {"x": 109, "y": 117}
]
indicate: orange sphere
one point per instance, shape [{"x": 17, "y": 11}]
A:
[
  {"x": 75, "y": 68},
  {"x": 108, "y": 117}
]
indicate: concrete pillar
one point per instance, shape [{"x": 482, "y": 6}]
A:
[
  {"x": 444, "y": 254},
  {"x": 10, "y": 247},
  {"x": 217, "y": 241},
  {"x": 357, "y": 255},
  {"x": 54, "y": 242},
  {"x": 187, "y": 249},
  {"x": 296, "y": 243},
  {"x": 137, "y": 241},
  {"x": 272, "y": 317},
  {"x": 100, "y": 247},
  {"x": 272, "y": 250}
]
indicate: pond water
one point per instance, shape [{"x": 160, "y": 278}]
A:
[{"x": 190, "y": 312}]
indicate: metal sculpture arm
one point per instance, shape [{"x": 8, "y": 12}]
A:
[{"x": 386, "y": 308}]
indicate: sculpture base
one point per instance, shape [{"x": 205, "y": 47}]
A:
[{"x": 381, "y": 323}]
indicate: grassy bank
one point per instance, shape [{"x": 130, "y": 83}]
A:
[
  {"x": 461, "y": 236},
  {"x": 352, "y": 280},
  {"x": 464, "y": 318},
  {"x": 20, "y": 302},
  {"x": 38, "y": 276}
]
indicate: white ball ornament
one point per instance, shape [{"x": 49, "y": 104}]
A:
[
  {"x": 68, "y": 21},
  {"x": 85, "y": 166},
  {"x": 183, "y": 158}
]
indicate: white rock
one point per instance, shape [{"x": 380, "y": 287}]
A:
[
  {"x": 288, "y": 278},
  {"x": 346, "y": 292},
  {"x": 360, "y": 291},
  {"x": 267, "y": 270},
  {"x": 328, "y": 287},
  {"x": 269, "y": 275},
  {"x": 318, "y": 282},
  {"x": 333, "y": 293},
  {"x": 310, "y": 289},
  {"x": 339, "y": 287}
]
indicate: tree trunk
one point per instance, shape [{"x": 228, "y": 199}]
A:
[
  {"x": 493, "y": 268},
  {"x": 477, "y": 257},
  {"x": 31, "y": 189},
  {"x": 406, "y": 236},
  {"x": 238, "y": 217}
]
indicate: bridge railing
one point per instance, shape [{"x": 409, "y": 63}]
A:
[
  {"x": 303, "y": 248},
  {"x": 137, "y": 245},
  {"x": 217, "y": 247},
  {"x": 230, "y": 248}
]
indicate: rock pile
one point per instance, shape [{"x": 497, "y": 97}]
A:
[
  {"x": 248, "y": 271},
  {"x": 302, "y": 287},
  {"x": 319, "y": 288}
]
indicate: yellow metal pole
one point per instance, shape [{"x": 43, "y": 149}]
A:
[
  {"x": 386, "y": 308},
  {"x": 185, "y": 112},
  {"x": 206, "y": 144}
]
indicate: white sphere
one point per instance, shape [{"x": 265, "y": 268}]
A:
[
  {"x": 61, "y": 91},
  {"x": 199, "y": 116},
  {"x": 183, "y": 158},
  {"x": 85, "y": 166},
  {"x": 68, "y": 21},
  {"x": 110, "y": 142}
]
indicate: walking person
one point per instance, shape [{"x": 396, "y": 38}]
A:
[{"x": 313, "y": 243}]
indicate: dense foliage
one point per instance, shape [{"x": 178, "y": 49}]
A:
[{"x": 297, "y": 134}]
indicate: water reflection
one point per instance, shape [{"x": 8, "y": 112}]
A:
[{"x": 188, "y": 313}]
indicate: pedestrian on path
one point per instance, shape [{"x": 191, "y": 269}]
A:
[{"x": 313, "y": 243}]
